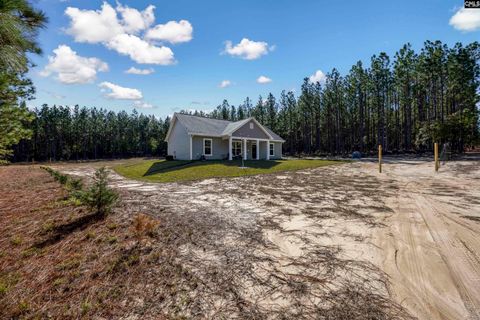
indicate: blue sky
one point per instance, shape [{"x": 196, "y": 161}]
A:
[{"x": 286, "y": 41}]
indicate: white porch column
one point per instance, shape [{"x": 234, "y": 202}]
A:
[
  {"x": 229, "y": 148},
  {"x": 268, "y": 149},
  {"x": 257, "y": 156},
  {"x": 244, "y": 149},
  {"x": 191, "y": 156}
]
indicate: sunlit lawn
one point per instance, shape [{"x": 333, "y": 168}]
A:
[{"x": 171, "y": 171}]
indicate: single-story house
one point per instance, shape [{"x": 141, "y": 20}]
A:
[{"x": 193, "y": 137}]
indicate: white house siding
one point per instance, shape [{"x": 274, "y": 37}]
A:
[
  {"x": 179, "y": 142},
  {"x": 219, "y": 145},
  {"x": 278, "y": 150}
]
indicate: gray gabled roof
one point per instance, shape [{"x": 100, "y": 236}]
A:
[
  {"x": 215, "y": 127},
  {"x": 234, "y": 126},
  {"x": 196, "y": 124},
  {"x": 273, "y": 134}
]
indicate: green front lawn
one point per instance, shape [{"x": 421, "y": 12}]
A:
[{"x": 171, "y": 171}]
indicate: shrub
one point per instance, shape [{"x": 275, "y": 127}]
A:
[
  {"x": 75, "y": 184},
  {"x": 99, "y": 196},
  {"x": 169, "y": 158},
  {"x": 61, "y": 178}
]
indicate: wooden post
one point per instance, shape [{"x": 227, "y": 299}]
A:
[
  {"x": 380, "y": 158},
  {"x": 435, "y": 151}
]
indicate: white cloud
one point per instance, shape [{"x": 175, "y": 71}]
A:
[
  {"x": 142, "y": 105},
  {"x": 247, "y": 49},
  {"x": 93, "y": 26},
  {"x": 133, "y": 20},
  {"x": 172, "y": 31},
  {"x": 225, "y": 83},
  {"x": 134, "y": 70},
  {"x": 205, "y": 103},
  {"x": 466, "y": 19},
  {"x": 54, "y": 95},
  {"x": 72, "y": 68},
  {"x": 140, "y": 50},
  {"x": 263, "y": 80},
  {"x": 318, "y": 76},
  {"x": 126, "y": 30},
  {"x": 118, "y": 92}
]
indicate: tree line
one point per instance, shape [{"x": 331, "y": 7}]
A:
[
  {"x": 404, "y": 104},
  {"x": 63, "y": 133}
]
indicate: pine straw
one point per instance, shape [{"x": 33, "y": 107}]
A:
[{"x": 150, "y": 261}]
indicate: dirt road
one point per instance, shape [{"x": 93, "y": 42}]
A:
[
  {"x": 281, "y": 235},
  {"x": 431, "y": 248}
]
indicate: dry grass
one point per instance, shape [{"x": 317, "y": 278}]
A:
[{"x": 152, "y": 261}]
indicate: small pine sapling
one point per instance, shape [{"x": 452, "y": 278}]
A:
[{"x": 99, "y": 196}]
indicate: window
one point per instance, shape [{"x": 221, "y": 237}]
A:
[
  {"x": 251, "y": 125},
  {"x": 207, "y": 147},
  {"x": 272, "y": 149},
  {"x": 236, "y": 148}
]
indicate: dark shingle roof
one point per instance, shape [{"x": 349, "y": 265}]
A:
[
  {"x": 196, "y": 124},
  {"x": 273, "y": 134},
  {"x": 214, "y": 127}
]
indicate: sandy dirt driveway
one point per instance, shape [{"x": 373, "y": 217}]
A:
[
  {"x": 431, "y": 246},
  {"x": 292, "y": 240}
]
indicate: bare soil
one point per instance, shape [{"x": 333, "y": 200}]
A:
[{"x": 338, "y": 242}]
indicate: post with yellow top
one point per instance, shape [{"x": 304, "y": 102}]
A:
[
  {"x": 380, "y": 158},
  {"x": 435, "y": 151}
]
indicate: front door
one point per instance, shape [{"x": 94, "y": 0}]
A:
[{"x": 254, "y": 151}]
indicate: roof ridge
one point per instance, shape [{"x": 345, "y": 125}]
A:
[{"x": 203, "y": 117}]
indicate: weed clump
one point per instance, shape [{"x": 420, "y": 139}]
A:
[{"x": 144, "y": 225}]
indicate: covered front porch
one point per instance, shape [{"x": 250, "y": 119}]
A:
[{"x": 250, "y": 149}]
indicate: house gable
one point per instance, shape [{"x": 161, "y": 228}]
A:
[
  {"x": 178, "y": 141},
  {"x": 251, "y": 129}
]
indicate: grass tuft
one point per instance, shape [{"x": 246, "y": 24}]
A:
[{"x": 16, "y": 240}]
